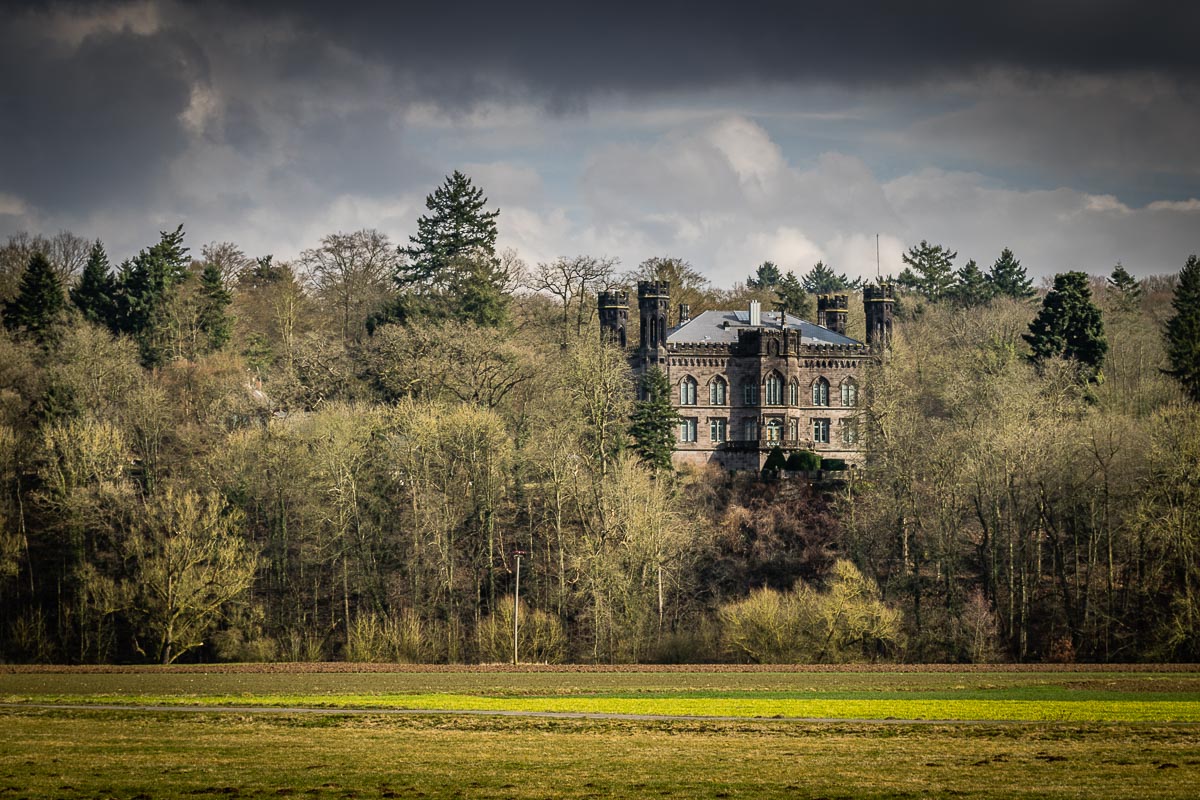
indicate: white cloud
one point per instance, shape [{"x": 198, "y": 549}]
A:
[
  {"x": 10, "y": 205},
  {"x": 1191, "y": 205}
]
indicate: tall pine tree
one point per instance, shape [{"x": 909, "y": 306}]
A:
[
  {"x": 1008, "y": 278},
  {"x": 451, "y": 267},
  {"x": 214, "y": 300},
  {"x": 1125, "y": 289},
  {"x": 39, "y": 303},
  {"x": 652, "y": 423},
  {"x": 792, "y": 297},
  {"x": 823, "y": 280},
  {"x": 1069, "y": 325},
  {"x": 930, "y": 270},
  {"x": 767, "y": 276},
  {"x": 971, "y": 287},
  {"x": 146, "y": 287},
  {"x": 95, "y": 294},
  {"x": 1183, "y": 330}
]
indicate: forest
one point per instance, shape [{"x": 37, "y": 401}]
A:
[{"x": 207, "y": 456}]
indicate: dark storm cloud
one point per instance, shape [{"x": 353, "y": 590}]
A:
[
  {"x": 566, "y": 49},
  {"x": 96, "y": 124}
]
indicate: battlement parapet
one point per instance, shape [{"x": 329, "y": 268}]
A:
[
  {"x": 654, "y": 289},
  {"x": 614, "y": 299},
  {"x": 879, "y": 293}
]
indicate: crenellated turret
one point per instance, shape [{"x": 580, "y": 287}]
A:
[
  {"x": 832, "y": 310},
  {"x": 654, "y": 306},
  {"x": 878, "y": 301},
  {"x": 614, "y": 316}
]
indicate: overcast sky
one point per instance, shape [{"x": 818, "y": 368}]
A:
[{"x": 725, "y": 133}]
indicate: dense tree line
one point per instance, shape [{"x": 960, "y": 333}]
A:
[{"x": 226, "y": 457}]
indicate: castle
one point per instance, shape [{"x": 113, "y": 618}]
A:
[{"x": 747, "y": 381}]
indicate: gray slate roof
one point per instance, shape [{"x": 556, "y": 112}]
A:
[{"x": 723, "y": 326}]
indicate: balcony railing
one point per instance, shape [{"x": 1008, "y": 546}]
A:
[{"x": 763, "y": 443}]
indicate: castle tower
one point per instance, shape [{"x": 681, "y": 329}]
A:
[
  {"x": 832, "y": 310},
  {"x": 614, "y": 316},
  {"x": 877, "y": 302},
  {"x": 654, "y": 304}
]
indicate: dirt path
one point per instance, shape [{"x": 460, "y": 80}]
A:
[{"x": 434, "y": 712}]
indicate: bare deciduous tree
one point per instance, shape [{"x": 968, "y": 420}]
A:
[
  {"x": 351, "y": 272},
  {"x": 573, "y": 281}
]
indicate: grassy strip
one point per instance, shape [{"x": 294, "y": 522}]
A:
[
  {"x": 1085, "y": 711},
  {"x": 78, "y": 755}
]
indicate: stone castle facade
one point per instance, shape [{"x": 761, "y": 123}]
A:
[{"x": 747, "y": 381}]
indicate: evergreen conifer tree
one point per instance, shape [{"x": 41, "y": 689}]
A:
[
  {"x": 214, "y": 300},
  {"x": 1069, "y": 325},
  {"x": 1125, "y": 288},
  {"x": 930, "y": 270},
  {"x": 971, "y": 288},
  {"x": 1008, "y": 278},
  {"x": 39, "y": 303},
  {"x": 792, "y": 297},
  {"x": 1183, "y": 330},
  {"x": 145, "y": 288},
  {"x": 767, "y": 276},
  {"x": 823, "y": 280},
  {"x": 653, "y": 421},
  {"x": 451, "y": 267},
  {"x": 95, "y": 294}
]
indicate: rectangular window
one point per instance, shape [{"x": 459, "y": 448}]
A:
[
  {"x": 750, "y": 394},
  {"x": 821, "y": 431},
  {"x": 850, "y": 431},
  {"x": 718, "y": 429},
  {"x": 687, "y": 430},
  {"x": 750, "y": 430}
]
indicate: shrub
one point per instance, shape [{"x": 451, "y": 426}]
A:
[
  {"x": 775, "y": 461},
  {"x": 848, "y": 622},
  {"x": 541, "y": 636},
  {"x": 834, "y": 464},
  {"x": 803, "y": 461},
  {"x": 302, "y": 645},
  {"x": 403, "y": 638}
]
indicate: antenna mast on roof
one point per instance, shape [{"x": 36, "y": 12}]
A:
[{"x": 878, "y": 274}]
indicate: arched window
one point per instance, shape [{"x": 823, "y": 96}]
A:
[
  {"x": 793, "y": 393},
  {"x": 774, "y": 430},
  {"x": 774, "y": 389},
  {"x": 849, "y": 392},
  {"x": 687, "y": 391},
  {"x": 718, "y": 391},
  {"x": 820, "y": 392}
]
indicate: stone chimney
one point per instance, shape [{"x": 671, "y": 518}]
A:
[
  {"x": 685, "y": 313},
  {"x": 755, "y": 314}
]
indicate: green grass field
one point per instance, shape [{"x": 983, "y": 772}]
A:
[{"x": 1093, "y": 735}]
